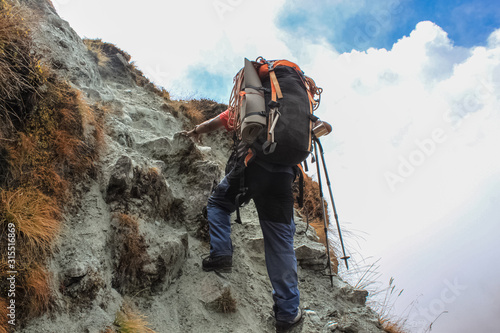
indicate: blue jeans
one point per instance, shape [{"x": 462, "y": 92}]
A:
[{"x": 272, "y": 194}]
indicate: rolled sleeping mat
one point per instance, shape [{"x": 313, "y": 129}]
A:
[
  {"x": 252, "y": 124},
  {"x": 253, "y": 109}
]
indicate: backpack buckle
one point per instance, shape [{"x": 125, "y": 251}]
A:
[
  {"x": 268, "y": 147},
  {"x": 273, "y": 104}
]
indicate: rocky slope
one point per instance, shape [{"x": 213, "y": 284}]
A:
[{"x": 136, "y": 233}]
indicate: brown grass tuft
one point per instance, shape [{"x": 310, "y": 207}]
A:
[
  {"x": 209, "y": 108},
  {"x": 97, "y": 48},
  {"x": 131, "y": 259},
  {"x": 4, "y": 326},
  {"x": 36, "y": 217},
  {"x": 195, "y": 111},
  {"x": 390, "y": 327},
  {"x": 128, "y": 222},
  {"x": 163, "y": 94},
  {"x": 226, "y": 303},
  {"x": 37, "y": 294},
  {"x": 108, "y": 49},
  {"x": 66, "y": 126},
  {"x": 129, "y": 320}
]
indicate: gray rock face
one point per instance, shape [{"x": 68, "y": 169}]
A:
[{"x": 62, "y": 48}]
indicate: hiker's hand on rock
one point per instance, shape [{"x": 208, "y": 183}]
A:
[{"x": 192, "y": 134}]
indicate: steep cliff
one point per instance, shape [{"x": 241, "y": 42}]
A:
[{"x": 133, "y": 232}]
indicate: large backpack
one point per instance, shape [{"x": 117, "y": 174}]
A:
[{"x": 272, "y": 106}]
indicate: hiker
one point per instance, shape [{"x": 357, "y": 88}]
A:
[{"x": 270, "y": 186}]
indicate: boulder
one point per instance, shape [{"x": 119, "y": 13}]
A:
[
  {"x": 356, "y": 296},
  {"x": 311, "y": 256},
  {"x": 120, "y": 181},
  {"x": 215, "y": 293}
]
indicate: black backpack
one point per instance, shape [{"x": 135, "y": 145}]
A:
[{"x": 283, "y": 117}]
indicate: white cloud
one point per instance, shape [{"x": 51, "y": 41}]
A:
[
  {"x": 380, "y": 121},
  {"x": 385, "y": 107}
]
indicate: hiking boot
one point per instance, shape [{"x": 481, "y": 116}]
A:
[
  {"x": 283, "y": 326},
  {"x": 222, "y": 264}
]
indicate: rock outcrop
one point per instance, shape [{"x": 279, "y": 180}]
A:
[{"x": 133, "y": 233}]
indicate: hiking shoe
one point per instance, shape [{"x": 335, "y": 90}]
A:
[
  {"x": 222, "y": 264},
  {"x": 283, "y": 326}
]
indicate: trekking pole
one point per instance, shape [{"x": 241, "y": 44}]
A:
[
  {"x": 345, "y": 257},
  {"x": 324, "y": 214}
]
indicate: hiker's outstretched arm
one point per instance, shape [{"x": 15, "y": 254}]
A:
[{"x": 205, "y": 127}]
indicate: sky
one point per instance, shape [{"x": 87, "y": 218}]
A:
[{"x": 411, "y": 89}]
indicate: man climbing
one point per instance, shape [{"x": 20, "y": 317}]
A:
[{"x": 270, "y": 186}]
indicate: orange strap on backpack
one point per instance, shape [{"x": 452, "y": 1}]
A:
[{"x": 275, "y": 86}]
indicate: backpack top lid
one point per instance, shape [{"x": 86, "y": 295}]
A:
[{"x": 272, "y": 64}]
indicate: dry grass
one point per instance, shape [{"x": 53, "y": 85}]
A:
[
  {"x": 312, "y": 204},
  {"x": 106, "y": 50},
  {"x": 4, "y": 268},
  {"x": 193, "y": 115},
  {"x": 21, "y": 73},
  {"x": 129, "y": 320},
  {"x": 209, "y": 108},
  {"x": 65, "y": 125},
  {"x": 96, "y": 47},
  {"x": 391, "y": 327},
  {"x": 36, "y": 217},
  {"x": 4, "y": 326},
  {"x": 131, "y": 259},
  {"x": 196, "y": 111},
  {"x": 163, "y": 94},
  {"x": 36, "y": 291},
  {"x": 60, "y": 144},
  {"x": 383, "y": 300},
  {"x": 31, "y": 166},
  {"x": 226, "y": 303}
]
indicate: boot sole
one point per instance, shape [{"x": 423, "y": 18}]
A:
[{"x": 219, "y": 270}]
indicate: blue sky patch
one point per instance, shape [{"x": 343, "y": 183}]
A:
[
  {"x": 361, "y": 24},
  {"x": 208, "y": 85}
]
